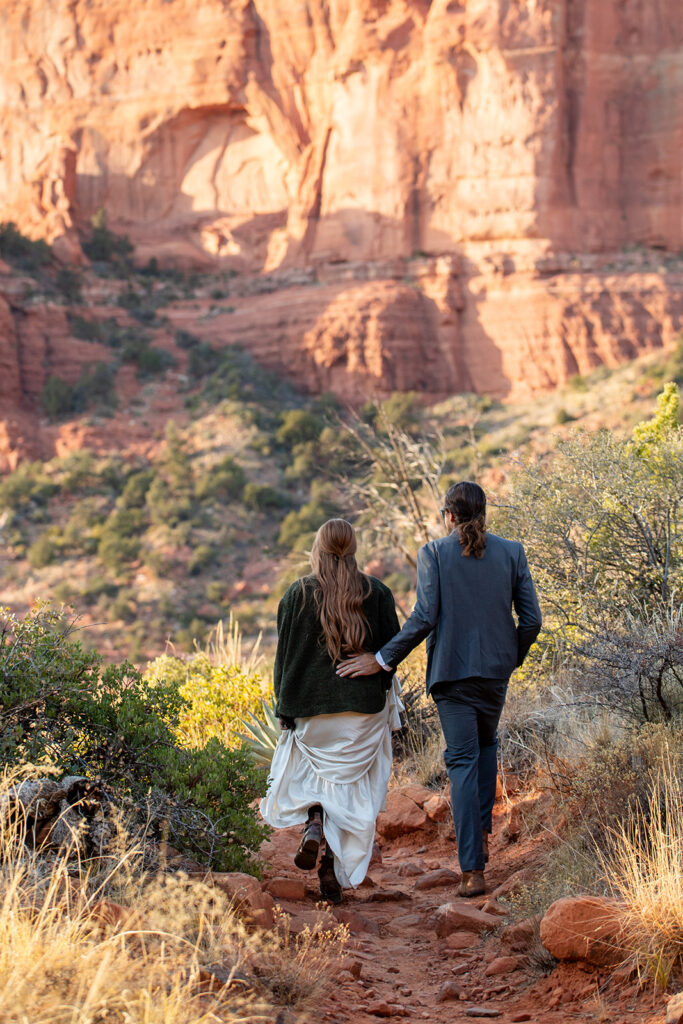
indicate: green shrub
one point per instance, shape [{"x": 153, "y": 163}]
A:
[
  {"x": 202, "y": 360},
  {"x": 299, "y": 525},
  {"x": 135, "y": 491},
  {"x": 562, "y": 416},
  {"x": 297, "y": 426},
  {"x": 262, "y": 496},
  {"x": 20, "y": 251},
  {"x": 95, "y": 386},
  {"x": 43, "y": 550},
  {"x": 59, "y": 702},
  {"x": 58, "y": 398},
  {"x": 68, "y": 281},
  {"x": 29, "y": 484},
  {"x": 119, "y": 541},
  {"x": 200, "y": 558},
  {"x": 187, "y": 340},
  {"x": 104, "y": 246},
  {"x": 226, "y": 480}
]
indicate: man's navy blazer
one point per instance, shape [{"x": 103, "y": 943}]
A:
[{"x": 464, "y": 608}]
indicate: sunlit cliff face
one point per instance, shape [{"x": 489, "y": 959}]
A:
[{"x": 467, "y": 180}]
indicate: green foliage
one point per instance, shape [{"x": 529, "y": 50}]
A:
[
  {"x": 225, "y": 481},
  {"x": 298, "y": 425},
  {"x": 602, "y": 521},
  {"x": 202, "y": 359},
  {"x": 216, "y": 696},
  {"x": 262, "y": 497},
  {"x": 95, "y": 387},
  {"x": 58, "y": 398},
  {"x": 59, "y": 703},
  {"x": 43, "y": 550},
  {"x": 239, "y": 377},
  {"x": 119, "y": 542},
  {"x": 104, "y": 246},
  {"x": 20, "y": 251},
  {"x": 29, "y": 485},
  {"x": 68, "y": 281},
  {"x": 200, "y": 558},
  {"x": 261, "y": 734},
  {"x": 299, "y": 525}
]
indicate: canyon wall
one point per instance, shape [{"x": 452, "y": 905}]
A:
[{"x": 516, "y": 164}]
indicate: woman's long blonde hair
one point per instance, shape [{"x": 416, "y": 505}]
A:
[{"x": 340, "y": 589}]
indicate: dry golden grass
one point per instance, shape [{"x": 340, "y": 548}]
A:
[
  {"x": 644, "y": 865},
  {"x": 65, "y": 959}
]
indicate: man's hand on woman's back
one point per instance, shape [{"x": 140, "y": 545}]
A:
[{"x": 360, "y": 665}]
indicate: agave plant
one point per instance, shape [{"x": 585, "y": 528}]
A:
[{"x": 261, "y": 738}]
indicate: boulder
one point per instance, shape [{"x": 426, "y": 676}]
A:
[
  {"x": 401, "y": 817},
  {"x": 461, "y": 940},
  {"x": 247, "y": 896},
  {"x": 519, "y": 936},
  {"x": 453, "y": 917},
  {"x": 503, "y": 965},
  {"x": 437, "y": 808},
  {"x": 674, "y": 1009},
  {"x": 410, "y": 868},
  {"x": 418, "y": 794},
  {"x": 356, "y": 923},
  {"x": 436, "y": 879},
  {"x": 450, "y": 990},
  {"x": 584, "y": 928},
  {"x": 286, "y": 888}
]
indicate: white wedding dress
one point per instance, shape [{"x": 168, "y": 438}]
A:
[{"x": 342, "y": 762}]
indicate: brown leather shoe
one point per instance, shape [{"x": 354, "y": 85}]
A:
[
  {"x": 306, "y": 857},
  {"x": 485, "y": 844},
  {"x": 472, "y": 884}
]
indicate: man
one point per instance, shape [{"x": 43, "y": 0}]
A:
[{"x": 467, "y": 585}]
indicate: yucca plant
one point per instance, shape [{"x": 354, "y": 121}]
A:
[{"x": 261, "y": 737}]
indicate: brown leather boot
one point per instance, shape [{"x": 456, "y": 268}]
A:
[
  {"x": 306, "y": 857},
  {"x": 485, "y": 843},
  {"x": 330, "y": 889},
  {"x": 472, "y": 884}
]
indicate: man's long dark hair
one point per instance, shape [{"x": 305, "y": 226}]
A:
[{"x": 467, "y": 502}]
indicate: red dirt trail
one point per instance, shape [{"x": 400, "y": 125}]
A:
[{"x": 404, "y": 966}]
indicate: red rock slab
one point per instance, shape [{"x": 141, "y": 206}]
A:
[
  {"x": 436, "y": 879},
  {"x": 503, "y": 965},
  {"x": 453, "y": 917},
  {"x": 356, "y": 922},
  {"x": 286, "y": 888},
  {"x": 401, "y": 817}
]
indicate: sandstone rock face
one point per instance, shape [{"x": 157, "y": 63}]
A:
[
  {"x": 583, "y": 928},
  {"x": 443, "y": 191},
  {"x": 275, "y": 132}
]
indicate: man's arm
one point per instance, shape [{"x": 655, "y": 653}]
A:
[
  {"x": 526, "y": 605},
  {"x": 421, "y": 622}
]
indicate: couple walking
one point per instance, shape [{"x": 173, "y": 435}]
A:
[{"x": 339, "y": 644}]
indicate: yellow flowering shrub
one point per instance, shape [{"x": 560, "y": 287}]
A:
[{"x": 218, "y": 697}]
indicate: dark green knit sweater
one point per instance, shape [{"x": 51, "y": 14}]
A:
[{"x": 304, "y": 676}]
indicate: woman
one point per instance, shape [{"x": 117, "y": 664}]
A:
[
  {"x": 332, "y": 762},
  {"x": 468, "y": 583}
]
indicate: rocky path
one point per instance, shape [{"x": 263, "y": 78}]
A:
[{"x": 419, "y": 951}]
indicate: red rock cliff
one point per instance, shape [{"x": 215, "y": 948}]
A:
[{"x": 530, "y": 142}]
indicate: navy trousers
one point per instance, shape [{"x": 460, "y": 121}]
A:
[{"x": 469, "y": 710}]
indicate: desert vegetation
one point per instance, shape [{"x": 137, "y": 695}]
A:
[{"x": 119, "y": 676}]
